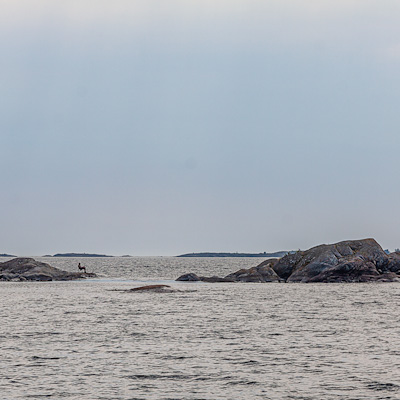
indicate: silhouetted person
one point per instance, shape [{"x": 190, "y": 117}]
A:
[{"x": 81, "y": 268}]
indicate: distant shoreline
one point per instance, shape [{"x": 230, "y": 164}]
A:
[
  {"x": 79, "y": 255},
  {"x": 277, "y": 254}
]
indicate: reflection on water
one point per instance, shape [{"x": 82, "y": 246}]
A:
[{"x": 82, "y": 340}]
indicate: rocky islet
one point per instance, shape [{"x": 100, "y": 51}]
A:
[
  {"x": 348, "y": 261},
  {"x": 28, "y": 269}
]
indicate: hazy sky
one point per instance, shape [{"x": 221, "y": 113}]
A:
[{"x": 153, "y": 127}]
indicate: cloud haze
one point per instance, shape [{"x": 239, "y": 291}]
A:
[{"x": 151, "y": 127}]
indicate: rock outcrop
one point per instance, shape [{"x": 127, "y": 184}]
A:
[
  {"x": 347, "y": 261},
  {"x": 191, "y": 277},
  {"x": 28, "y": 269}
]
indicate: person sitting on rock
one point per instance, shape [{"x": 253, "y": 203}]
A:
[{"x": 81, "y": 268}]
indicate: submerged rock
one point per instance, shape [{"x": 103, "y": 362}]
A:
[
  {"x": 151, "y": 288},
  {"x": 28, "y": 269}
]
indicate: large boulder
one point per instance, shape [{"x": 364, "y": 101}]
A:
[
  {"x": 394, "y": 262},
  {"x": 354, "y": 271},
  {"x": 261, "y": 273},
  {"x": 348, "y": 261},
  {"x": 190, "y": 277},
  {"x": 28, "y": 269}
]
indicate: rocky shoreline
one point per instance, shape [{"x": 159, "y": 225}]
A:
[
  {"x": 28, "y": 269},
  {"x": 348, "y": 261}
]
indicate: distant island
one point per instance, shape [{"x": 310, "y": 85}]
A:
[
  {"x": 80, "y": 255},
  {"x": 277, "y": 254},
  {"x": 6, "y": 255}
]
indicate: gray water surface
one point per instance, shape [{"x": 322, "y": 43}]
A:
[{"x": 83, "y": 340}]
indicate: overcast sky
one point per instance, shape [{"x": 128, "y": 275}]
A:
[{"x": 153, "y": 127}]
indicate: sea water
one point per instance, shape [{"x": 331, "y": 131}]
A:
[{"x": 85, "y": 340}]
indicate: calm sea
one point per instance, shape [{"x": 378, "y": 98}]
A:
[{"x": 83, "y": 340}]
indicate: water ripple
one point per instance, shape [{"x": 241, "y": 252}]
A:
[{"x": 81, "y": 340}]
